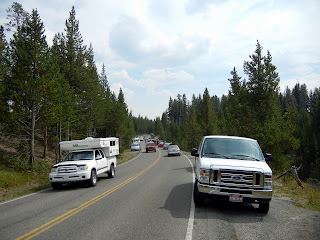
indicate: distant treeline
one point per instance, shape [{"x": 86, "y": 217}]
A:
[
  {"x": 54, "y": 93},
  {"x": 286, "y": 124}
]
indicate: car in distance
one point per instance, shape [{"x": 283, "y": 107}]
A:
[
  {"x": 233, "y": 169},
  {"x": 166, "y": 146},
  {"x": 135, "y": 147},
  {"x": 150, "y": 146},
  {"x": 173, "y": 150},
  {"x": 160, "y": 144}
]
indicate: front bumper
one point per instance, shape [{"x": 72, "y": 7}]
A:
[
  {"x": 249, "y": 195},
  {"x": 69, "y": 177}
]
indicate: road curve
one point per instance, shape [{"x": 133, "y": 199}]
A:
[{"x": 149, "y": 198}]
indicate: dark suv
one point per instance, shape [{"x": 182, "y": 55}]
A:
[{"x": 151, "y": 146}]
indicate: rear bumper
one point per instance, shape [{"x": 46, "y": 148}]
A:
[
  {"x": 249, "y": 195},
  {"x": 173, "y": 153}
]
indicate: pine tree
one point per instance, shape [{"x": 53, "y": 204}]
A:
[
  {"x": 193, "y": 130},
  {"x": 74, "y": 53},
  {"x": 209, "y": 121},
  {"x": 263, "y": 83},
  {"x": 27, "y": 86},
  {"x": 4, "y": 74},
  {"x": 315, "y": 140},
  {"x": 267, "y": 124},
  {"x": 237, "y": 113},
  {"x": 17, "y": 16},
  {"x": 121, "y": 116},
  {"x": 73, "y": 67},
  {"x": 107, "y": 102},
  {"x": 92, "y": 98}
]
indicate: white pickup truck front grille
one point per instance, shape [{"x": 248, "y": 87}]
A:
[{"x": 67, "y": 169}]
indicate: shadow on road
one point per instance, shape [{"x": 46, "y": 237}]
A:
[{"x": 179, "y": 200}]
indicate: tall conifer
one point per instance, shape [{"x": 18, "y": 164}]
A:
[{"x": 28, "y": 83}]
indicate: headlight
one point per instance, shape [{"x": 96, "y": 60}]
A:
[
  {"x": 268, "y": 182},
  {"x": 54, "y": 169},
  {"x": 83, "y": 167},
  {"x": 204, "y": 175}
]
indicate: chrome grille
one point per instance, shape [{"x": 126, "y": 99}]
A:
[
  {"x": 67, "y": 169},
  {"x": 236, "y": 179}
]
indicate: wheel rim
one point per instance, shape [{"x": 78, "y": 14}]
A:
[{"x": 94, "y": 177}]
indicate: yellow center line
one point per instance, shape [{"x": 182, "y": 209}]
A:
[{"x": 83, "y": 206}]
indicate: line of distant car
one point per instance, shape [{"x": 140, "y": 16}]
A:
[{"x": 173, "y": 150}]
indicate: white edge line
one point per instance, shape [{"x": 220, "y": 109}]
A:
[
  {"x": 191, "y": 214},
  {"x": 31, "y": 194},
  {"x": 132, "y": 159},
  {"x": 14, "y": 199}
]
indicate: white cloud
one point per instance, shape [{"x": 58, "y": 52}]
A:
[
  {"x": 141, "y": 43},
  {"x": 128, "y": 93},
  {"x": 168, "y": 77},
  {"x": 124, "y": 77},
  {"x": 201, "y": 6},
  {"x": 312, "y": 81},
  {"x": 157, "y": 49}
]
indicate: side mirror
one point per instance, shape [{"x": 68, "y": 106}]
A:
[
  {"x": 268, "y": 157},
  {"x": 99, "y": 158},
  {"x": 194, "y": 152}
]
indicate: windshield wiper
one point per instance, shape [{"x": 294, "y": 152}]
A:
[
  {"x": 216, "y": 154},
  {"x": 246, "y": 157}
]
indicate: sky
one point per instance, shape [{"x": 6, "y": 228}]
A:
[{"x": 157, "y": 49}]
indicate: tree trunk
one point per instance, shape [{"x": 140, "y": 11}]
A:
[
  {"x": 59, "y": 139},
  {"x": 57, "y": 143},
  {"x": 45, "y": 139},
  {"x": 33, "y": 123}
]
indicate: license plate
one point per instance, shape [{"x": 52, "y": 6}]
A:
[{"x": 236, "y": 198}]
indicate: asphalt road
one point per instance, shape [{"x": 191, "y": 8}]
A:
[{"x": 149, "y": 198}]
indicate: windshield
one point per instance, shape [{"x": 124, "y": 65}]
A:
[
  {"x": 76, "y": 156},
  {"x": 231, "y": 148},
  {"x": 173, "y": 146}
]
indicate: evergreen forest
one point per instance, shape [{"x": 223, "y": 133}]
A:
[
  {"x": 54, "y": 93},
  {"x": 286, "y": 124}
]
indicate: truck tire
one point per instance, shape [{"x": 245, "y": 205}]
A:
[
  {"x": 56, "y": 185},
  {"x": 93, "y": 179},
  {"x": 111, "y": 172},
  {"x": 264, "y": 207},
  {"x": 197, "y": 198}
]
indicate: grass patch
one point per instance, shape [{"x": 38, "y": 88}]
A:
[
  {"x": 125, "y": 156},
  {"x": 307, "y": 197},
  {"x": 16, "y": 182}
]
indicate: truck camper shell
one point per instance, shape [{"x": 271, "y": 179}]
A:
[{"x": 110, "y": 146}]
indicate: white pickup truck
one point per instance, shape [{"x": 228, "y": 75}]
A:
[
  {"x": 86, "y": 160},
  {"x": 232, "y": 169}
]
